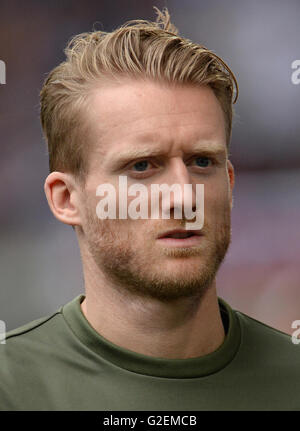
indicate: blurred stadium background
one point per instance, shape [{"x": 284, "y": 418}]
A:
[{"x": 40, "y": 262}]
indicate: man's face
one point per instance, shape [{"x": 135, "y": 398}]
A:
[{"x": 175, "y": 136}]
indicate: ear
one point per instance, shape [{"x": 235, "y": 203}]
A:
[
  {"x": 230, "y": 171},
  {"x": 62, "y": 193}
]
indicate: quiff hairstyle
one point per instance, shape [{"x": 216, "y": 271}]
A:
[{"x": 139, "y": 49}]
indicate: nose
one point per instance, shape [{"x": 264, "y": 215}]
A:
[{"x": 182, "y": 197}]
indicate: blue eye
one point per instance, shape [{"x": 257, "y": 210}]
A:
[
  {"x": 141, "y": 166},
  {"x": 202, "y": 162}
]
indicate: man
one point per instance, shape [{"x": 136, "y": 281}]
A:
[{"x": 150, "y": 332}]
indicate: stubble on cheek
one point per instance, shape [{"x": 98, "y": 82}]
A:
[
  {"x": 108, "y": 243},
  {"x": 117, "y": 246}
]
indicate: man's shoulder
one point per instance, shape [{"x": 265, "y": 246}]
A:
[
  {"x": 32, "y": 356},
  {"x": 30, "y": 349},
  {"x": 34, "y": 339},
  {"x": 267, "y": 343},
  {"x": 30, "y": 327},
  {"x": 261, "y": 326},
  {"x": 30, "y": 343}
]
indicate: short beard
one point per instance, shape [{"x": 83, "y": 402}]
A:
[{"x": 117, "y": 260}]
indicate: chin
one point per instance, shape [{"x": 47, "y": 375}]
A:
[{"x": 183, "y": 268}]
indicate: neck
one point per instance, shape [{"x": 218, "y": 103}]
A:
[{"x": 179, "y": 329}]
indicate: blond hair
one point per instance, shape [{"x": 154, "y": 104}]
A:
[{"x": 138, "y": 49}]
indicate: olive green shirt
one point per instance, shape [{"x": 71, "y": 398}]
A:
[{"x": 60, "y": 362}]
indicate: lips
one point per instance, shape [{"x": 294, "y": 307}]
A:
[{"x": 179, "y": 234}]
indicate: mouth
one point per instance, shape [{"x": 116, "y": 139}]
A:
[{"x": 180, "y": 238}]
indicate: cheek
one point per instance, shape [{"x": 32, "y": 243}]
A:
[{"x": 216, "y": 199}]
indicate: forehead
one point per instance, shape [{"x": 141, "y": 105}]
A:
[{"x": 137, "y": 112}]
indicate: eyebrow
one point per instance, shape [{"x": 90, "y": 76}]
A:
[
  {"x": 206, "y": 148},
  {"x": 136, "y": 153}
]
